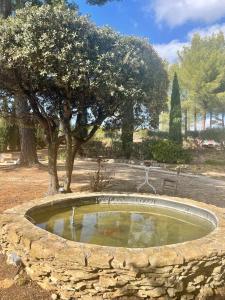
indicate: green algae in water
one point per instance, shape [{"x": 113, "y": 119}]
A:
[{"x": 132, "y": 226}]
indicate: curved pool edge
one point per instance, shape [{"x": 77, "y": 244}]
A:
[
  {"x": 41, "y": 250},
  {"x": 139, "y": 201}
]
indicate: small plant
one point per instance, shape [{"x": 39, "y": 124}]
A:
[{"x": 101, "y": 178}]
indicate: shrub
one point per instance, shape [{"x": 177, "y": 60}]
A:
[
  {"x": 159, "y": 134},
  {"x": 169, "y": 152},
  {"x": 143, "y": 150},
  {"x": 116, "y": 149},
  {"x": 216, "y": 134},
  {"x": 214, "y": 162},
  {"x": 100, "y": 179}
]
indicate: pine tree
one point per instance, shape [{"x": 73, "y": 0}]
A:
[{"x": 175, "y": 124}]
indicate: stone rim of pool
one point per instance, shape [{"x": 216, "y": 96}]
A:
[{"x": 45, "y": 253}]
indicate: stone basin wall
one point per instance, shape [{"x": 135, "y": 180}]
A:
[{"x": 190, "y": 270}]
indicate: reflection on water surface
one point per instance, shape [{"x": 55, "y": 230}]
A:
[{"x": 132, "y": 226}]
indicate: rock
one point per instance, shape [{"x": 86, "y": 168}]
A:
[
  {"x": 54, "y": 296},
  {"x": 171, "y": 281},
  {"x": 199, "y": 279},
  {"x": 67, "y": 295},
  {"x": 120, "y": 293},
  {"x": 80, "y": 276},
  {"x": 206, "y": 292},
  {"x": 87, "y": 297},
  {"x": 164, "y": 270},
  {"x": 171, "y": 292},
  {"x": 6, "y": 283},
  {"x": 106, "y": 281},
  {"x": 168, "y": 258},
  {"x": 217, "y": 270},
  {"x": 187, "y": 297},
  {"x": 157, "y": 292},
  {"x": 14, "y": 259},
  {"x": 190, "y": 288},
  {"x": 209, "y": 263},
  {"x": 80, "y": 286},
  {"x": 154, "y": 293}
]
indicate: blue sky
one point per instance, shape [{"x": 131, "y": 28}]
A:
[{"x": 169, "y": 24}]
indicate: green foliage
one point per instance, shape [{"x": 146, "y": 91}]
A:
[
  {"x": 169, "y": 152},
  {"x": 69, "y": 58},
  {"x": 9, "y": 136},
  {"x": 65, "y": 65},
  {"x": 142, "y": 150},
  {"x": 201, "y": 72},
  {"x": 160, "y": 150},
  {"x": 4, "y": 135},
  {"x": 175, "y": 123},
  {"x": 214, "y": 162},
  {"x": 216, "y": 134},
  {"x": 159, "y": 134},
  {"x": 193, "y": 134}
]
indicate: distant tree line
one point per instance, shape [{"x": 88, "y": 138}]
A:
[{"x": 200, "y": 70}]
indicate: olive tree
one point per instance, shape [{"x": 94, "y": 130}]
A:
[
  {"x": 64, "y": 65},
  {"x": 74, "y": 75}
]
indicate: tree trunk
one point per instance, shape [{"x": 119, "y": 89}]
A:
[
  {"x": 71, "y": 154},
  {"x": 53, "y": 187},
  {"x": 28, "y": 153},
  {"x": 127, "y": 131},
  {"x": 204, "y": 121},
  {"x": 185, "y": 123},
  {"x": 5, "y": 8},
  {"x": 211, "y": 119},
  {"x": 195, "y": 120},
  {"x": 68, "y": 164},
  {"x": 223, "y": 120},
  {"x": 72, "y": 145}
]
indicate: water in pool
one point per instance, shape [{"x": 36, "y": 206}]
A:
[{"x": 132, "y": 226}]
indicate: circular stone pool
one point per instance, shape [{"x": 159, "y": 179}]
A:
[
  {"x": 124, "y": 245},
  {"x": 119, "y": 225}
]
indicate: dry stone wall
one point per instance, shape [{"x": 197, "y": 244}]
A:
[{"x": 191, "y": 270}]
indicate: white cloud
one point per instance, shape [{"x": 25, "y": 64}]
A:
[
  {"x": 178, "y": 12},
  {"x": 169, "y": 51},
  {"x": 208, "y": 31}
]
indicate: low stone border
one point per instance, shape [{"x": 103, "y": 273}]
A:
[{"x": 190, "y": 270}]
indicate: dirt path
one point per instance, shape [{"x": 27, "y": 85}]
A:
[{"x": 18, "y": 185}]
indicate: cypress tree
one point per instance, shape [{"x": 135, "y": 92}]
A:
[{"x": 175, "y": 123}]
